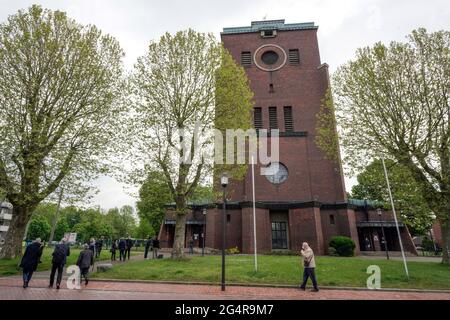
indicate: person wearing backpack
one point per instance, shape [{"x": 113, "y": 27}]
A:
[
  {"x": 59, "y": 259},
  {"x": 309, "y": 265}
]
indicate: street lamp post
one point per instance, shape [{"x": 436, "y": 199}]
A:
[
  {"x": 380, "y": 212},
  {"x": 224, "y": 183},
  {"x": 433, "y": 216},
  {"x": 204, "y": 231}
]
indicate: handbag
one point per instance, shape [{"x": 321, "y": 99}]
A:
[{"x": 306, "y": 263}]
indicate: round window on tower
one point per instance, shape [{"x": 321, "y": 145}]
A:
[
  {"x": 276, "y": 173},
  {"x": 269, "y": 57}
]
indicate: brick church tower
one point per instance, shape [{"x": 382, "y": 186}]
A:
[{"x": 305, "y": 199}]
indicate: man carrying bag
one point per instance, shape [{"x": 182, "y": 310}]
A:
[{"x": 309, "y": 265}]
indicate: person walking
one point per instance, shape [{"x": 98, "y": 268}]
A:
[
  {"x": 309, "y": 265},
  {"x": 155, "y": 247},
  {"x": 148, "y": 245},
  {"x": 191, "y": 245},
  {"x": 84, "y": 262},
  {"x": 113, "y": 250},
  {"x": 92, "y": 246},
  {"x": 98, "y": 247},
  {"x": 30, "y": 260},
  {"x": 129, "y": 245},
  {"x": 60, "y": 254},
  {"x": 122, "y": 247}
]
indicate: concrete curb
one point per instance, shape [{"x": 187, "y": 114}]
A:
[{"x": 262, "y": 285}]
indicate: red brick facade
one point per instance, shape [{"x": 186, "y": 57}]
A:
[{"x": 311, "y": 204}]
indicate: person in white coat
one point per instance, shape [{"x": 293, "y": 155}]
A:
[{"x": 309, "y": 266}]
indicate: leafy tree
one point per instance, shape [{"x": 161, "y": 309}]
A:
[
  {"x": 393, "y": 101},
  {"x": 181, "y": 88},
  {"x": 92, "y": 224},
  {"x": 144, "y": 230},
  {"x": 59, "y": 84},
  {"x": 122, "y": 222},
  {"x": 405, "y": 191},
  {"x": 38, "y": 228},
  {"x": 154, "y": 194},
  {"x": 62, "y": 227}
]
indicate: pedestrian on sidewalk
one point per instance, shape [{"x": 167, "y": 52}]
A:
[
  {"x": 309, "y": 265},
  {"x": 148, "y": 246},
  {"x": 129, "y": 245},
  {"x": 60, "y": 254},
  {"x": 155, "y": 247},
  {"x": 84, "y": 262},
  {"x": 30, "y": 260},
  {"x": 113, "y": 250},
  {"x": 122, "y": 247}
]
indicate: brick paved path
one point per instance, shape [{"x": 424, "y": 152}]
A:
[{"x": 10, "y": 288}]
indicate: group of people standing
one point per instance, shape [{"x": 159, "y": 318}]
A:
[{"x": 124, "y": 246}]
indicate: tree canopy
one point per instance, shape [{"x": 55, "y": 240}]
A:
[
  {"x": 184, "y": 86},
  {"x": 392, "y": 101},
  {"x": 59, "y": 87}
]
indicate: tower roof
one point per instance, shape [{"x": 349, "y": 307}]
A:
[{"x": 257, "y": 26}]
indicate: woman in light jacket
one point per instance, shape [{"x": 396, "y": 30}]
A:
[{"x": 309, "y": 265}]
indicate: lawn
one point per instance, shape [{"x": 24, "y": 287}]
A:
[
  {"x": 284, "y": 270},
  {"x": 9, "y": 267}
]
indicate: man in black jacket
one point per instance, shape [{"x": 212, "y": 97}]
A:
[
  {"x": 129, "y": 246},
  {"x": 155, "y": 248},
  {"x": 84, "y": 262},
  {"x": 98, "y": 247},
  {"x": 122, "y": 247},
  {"x": 148, "y": 245},
  {"x": 30, "y": 260},
  {"x": 60, "y": 254}
]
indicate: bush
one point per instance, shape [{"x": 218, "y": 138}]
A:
[
  {"x": 234, "y": 250},
  {"x": 332, "y": 252},
  {"x": 344, "y": 246}
]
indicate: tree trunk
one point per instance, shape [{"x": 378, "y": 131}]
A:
[
  {"x": 14, "y": 237},
  {"x": 180, "y": 231},
  {"x": 445, "y": 228},
  {"x": 55, "y": 218}
]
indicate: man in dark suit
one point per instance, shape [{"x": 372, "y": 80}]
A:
[
  {"x": 85, "y": 261},
  {"x": 129, "y": 246},
  {"x": 30, "y": 260},
  {"x": 148, "y": 245},
  {"x": 62, "y": 250},
  {"x": 122, "y": 248}
]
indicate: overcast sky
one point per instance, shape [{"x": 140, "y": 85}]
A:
[{"x": 343, "y": 27}]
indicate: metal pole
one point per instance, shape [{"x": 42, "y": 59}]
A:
[
  {"x": 223, "y": 239},
  {"x": 254, "y": 216},
  {"x": 204, "y": 233},
  {"x": 384, "y": 239},
  {"x": 395, "y": 218}
]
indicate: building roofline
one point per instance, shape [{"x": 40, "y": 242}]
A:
[{"x": 257, "y": 26}]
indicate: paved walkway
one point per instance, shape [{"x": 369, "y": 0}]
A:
[{"x": 10, "y": 289}]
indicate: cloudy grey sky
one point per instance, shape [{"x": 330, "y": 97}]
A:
[{"x": 343, "y": 26}]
